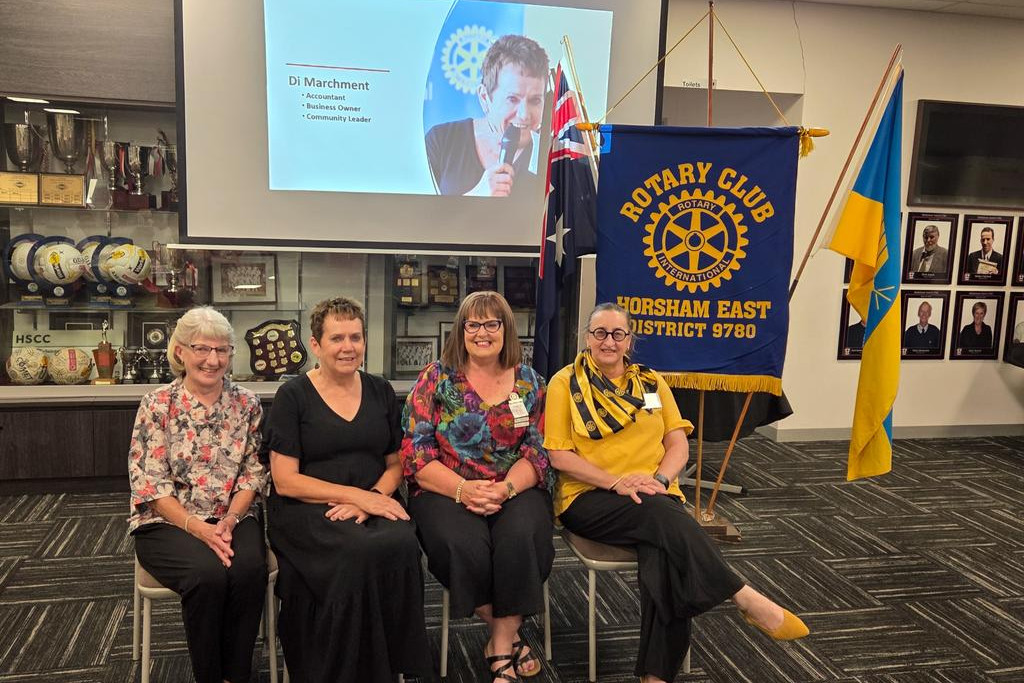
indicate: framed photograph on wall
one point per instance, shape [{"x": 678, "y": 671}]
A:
[
  {"x": 1013, "y": 352},
  {"x": 243, "y": 279},
  {"x": 928, "y": 252},
  {"x": 150, "y": 330},
  {"x": 412, "y": 354},
  {"x": 444, "y": 328},
  {"x": 851, "y": 332},
  {"x": 520, "y": 286},
  {"x": 975, "y": 326},
  {"x": 481, "y": 277},
  {"x": 847, "y": 270},
  {"x": 983, "y": 250},
  {"x": 924, "y": 324},
  {"x": 1018, "y": 258},
  {"x": 526, "y": 344}
]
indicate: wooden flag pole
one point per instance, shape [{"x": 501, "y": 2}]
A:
[
  {"x": 709, "y": 514},
  {"x": 711, "y": 54},
  {"x": 700, "y": 456},
  {"x": 846, "y": 166}
]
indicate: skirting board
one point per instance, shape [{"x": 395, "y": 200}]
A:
[{"x": 936, "y": 432}]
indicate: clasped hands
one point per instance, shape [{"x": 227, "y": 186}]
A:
[
  {"x": 367, "y": 504},
  {"x": 484, "y": 497},
  {"x": 636, "y": 483},
  {"x": 217, "y": 536}
]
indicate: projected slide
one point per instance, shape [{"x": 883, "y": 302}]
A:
[{"x": 420, "y": 97}]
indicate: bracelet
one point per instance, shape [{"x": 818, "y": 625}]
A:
[
  {"x": 512, "y": 493},
  {"x": 458, "y": 491},
  {"x": 238, "y": 517},
  {"x": 662, "y": 479},
  {"x": 376, "y": 490},
  {"x": 616, "y": 483},
  {"x": 188, "y": 518}
]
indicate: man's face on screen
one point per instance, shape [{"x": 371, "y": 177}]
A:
[{"x": 517, "y": 99}]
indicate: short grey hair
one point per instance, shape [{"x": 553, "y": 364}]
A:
[{"x": 201, "y": 321}]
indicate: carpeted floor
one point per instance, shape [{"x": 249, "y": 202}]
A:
[{"x": 914, "y": 577}]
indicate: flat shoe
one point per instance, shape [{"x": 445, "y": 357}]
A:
[
  {"x": 791, "y": 627},
  {"x": 531, "y": 656}
]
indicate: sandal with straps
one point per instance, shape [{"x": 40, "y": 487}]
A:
[
  {"x": 531, "y": 656},
  {"x": 500, "y": 672}
]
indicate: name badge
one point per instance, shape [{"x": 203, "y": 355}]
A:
[
  {"x": 652, "y": 401},
  {"x": 520, "y": 416}
]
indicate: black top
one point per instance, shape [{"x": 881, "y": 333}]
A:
[
  {"x": 914, "y": 338},
  {"x": 451, "y": 150},
  {"x": 329, "y": 447},
  {"x": 969, "y": 339}
]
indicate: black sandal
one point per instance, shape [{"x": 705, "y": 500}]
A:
[
  {"x": 500, "y": 671},
  {"x": 531, "y": 656}
]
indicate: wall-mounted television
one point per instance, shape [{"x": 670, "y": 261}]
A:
[{"x": 969, "y": 155}]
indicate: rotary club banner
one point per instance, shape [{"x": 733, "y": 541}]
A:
[{"x": 695, "y": 240}]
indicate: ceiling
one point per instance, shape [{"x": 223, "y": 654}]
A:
[{"x": 1006, "y": 9}]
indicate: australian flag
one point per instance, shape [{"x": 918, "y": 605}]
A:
[{"x": 570, "y": 222}]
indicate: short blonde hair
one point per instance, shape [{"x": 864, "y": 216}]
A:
[
  {"x": 480, "y": 304},
  {"x": 201, "y": 321}
]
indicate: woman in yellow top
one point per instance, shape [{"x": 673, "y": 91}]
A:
[{"x": 616, "y": 436}]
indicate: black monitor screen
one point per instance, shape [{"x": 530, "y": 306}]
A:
[{"x": 968, "y": 155}]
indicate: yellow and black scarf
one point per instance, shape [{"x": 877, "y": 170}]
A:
[{"x": 599, "y": 406}]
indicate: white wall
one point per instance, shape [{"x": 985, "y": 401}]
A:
[{"x": 844, "y": 51}]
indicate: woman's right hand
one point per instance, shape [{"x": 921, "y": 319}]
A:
[
  {"x": 636, "y": 483},
  {"x": 379, "y": 505},
  {"x": 207, "y": 533},
  {"x": 482, "y": 496}
]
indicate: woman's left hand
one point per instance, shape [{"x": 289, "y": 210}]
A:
[
  {"x": 643, "y": 483},
  {"x": 225, "y": 528}
]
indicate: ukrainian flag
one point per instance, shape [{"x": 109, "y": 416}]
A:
[{"x": 869, "y": 233}]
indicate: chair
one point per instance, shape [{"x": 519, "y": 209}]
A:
[
  {"x": 444, "y": 628},
  {"x": 598, "y": 557},
  {"x": 148, "y": 589}
]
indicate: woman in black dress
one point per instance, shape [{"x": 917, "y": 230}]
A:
[{"x": 350, "y": 580}]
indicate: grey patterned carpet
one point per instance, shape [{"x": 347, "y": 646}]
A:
[{"x": 914, "y": 577}]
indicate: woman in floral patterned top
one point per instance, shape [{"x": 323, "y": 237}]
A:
[
  {"x": 194, "y": 477},
  {"x": 479, "y": 478}
]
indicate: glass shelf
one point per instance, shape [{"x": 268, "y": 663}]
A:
[{"x": 289, "y": 307}]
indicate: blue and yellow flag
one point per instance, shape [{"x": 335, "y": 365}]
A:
[
  {"x": 869, "y": 233},
  {"x": 695, "y": 240}
]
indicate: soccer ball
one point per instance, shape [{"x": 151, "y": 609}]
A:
[
  {"x": 88, "y": 247},
  {"x": 70, "y": 366},
  {"x": 27, "y": 366},
  {"x": 59, "y": 263},
  {"x": 19, "y": 259},
  {"x": 128, "y": 264}
]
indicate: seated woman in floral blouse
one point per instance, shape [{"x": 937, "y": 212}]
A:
[
  {"x": 194, "y": 478},
  {"x": 479, "y": 478}
]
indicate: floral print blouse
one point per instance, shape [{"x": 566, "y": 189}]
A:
[
  {"x": 446, "y": 420},
  {"x": 199, "y": 455}
]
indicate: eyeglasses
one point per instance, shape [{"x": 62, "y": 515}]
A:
[
  {"x": 202, "y": 350},
  {"x": 473, "y": 326},
  {"x": 600, "y": 334}
]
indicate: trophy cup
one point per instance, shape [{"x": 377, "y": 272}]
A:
[
  {"x": 24, "y": 149},
  {"x": 154, "y": 357},
  {"x": 67, "y": 137},
  {"x": 105, "y": 358},
  {"x": 169, "y": 198},
  {"x": 167, "y": 276},
  {"x": 134, "y": 199},
  {"x": 129, "y": 357}
]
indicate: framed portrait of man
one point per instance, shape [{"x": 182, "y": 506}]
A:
[
  {"x": 1013, "y": 352},
  {"x": 1018, "y": 256},
  {"x": 924, "y": 324},
  {"x": 930, "y": 243},
  {"x": 976, "y": 324},
  {"x": 851, "y": 332},
  {"x": 983, "y": 259}
]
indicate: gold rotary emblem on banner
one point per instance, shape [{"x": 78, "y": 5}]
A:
[{"x": 695, "y": 240}]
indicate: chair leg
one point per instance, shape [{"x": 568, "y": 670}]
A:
[
  {"x": 147, "y": 623},
  {"x": 444, "y": 633},
  {"x": 270, "y": 641},
  {"x": 547, "y": 622},
  {"x": 286, "y": 679},
  {"x": 136, "y": 622},
  {"x": 686, "y": 661},
  {"x": 592, "y": 624}
]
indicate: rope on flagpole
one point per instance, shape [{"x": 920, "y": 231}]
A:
[{"x": 587, "y": 125}]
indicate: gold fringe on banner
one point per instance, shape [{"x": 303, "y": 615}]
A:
[{"x": 712, "y": 382}]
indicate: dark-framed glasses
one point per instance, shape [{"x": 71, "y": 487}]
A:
[
  {"x": 202, "y": 350},
  {"x": 472, "y": 326},
  {"x": 600, "y": 334}
]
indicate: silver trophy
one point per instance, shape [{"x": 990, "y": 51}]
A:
[
  {"x": 24, "y": 144},
  {"x": 108, "y": 157},
  {"x": 135, "y": 167},
  {"x": 129, "y": 357},
  {"x": 67, "y": 138}
]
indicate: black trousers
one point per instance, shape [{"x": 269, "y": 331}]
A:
[
  {"x": 682, "y": 573},
  {"x": 500, "y": 560},
  {"x": 221, "y": 606}
]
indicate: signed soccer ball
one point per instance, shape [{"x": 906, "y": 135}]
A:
[
  {"x": 70, "y": 366},
  {"x": 27, "y": 366}
]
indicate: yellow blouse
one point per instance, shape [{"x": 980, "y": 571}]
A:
[{"x": 637, "y": 448}]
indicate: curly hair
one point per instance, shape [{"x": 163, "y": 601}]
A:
[
  {"x": 341, "y": 306},
  {"x": 520, "y": 51}
]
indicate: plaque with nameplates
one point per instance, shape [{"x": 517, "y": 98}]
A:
[
  {"x": 61, "y": 189},
  {"x": 275, "y": 348},
  {"x": 19, "y": 188}
]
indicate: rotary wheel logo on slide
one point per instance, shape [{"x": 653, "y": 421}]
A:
[
  {"x": 463, "y": 55},
  {"x": 695, "y": 240}
]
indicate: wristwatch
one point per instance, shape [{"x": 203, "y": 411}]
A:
[
  {"x": 512, "y": 493},
  {"x": 661, "y": 479}
]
